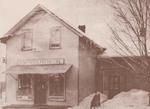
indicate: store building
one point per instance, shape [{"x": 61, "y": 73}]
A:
[{"x": 48, "y": 61}]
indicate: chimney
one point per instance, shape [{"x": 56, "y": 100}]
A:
[{"x": 82, "y": 28}]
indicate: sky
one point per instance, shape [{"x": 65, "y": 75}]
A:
[{"x": 95, "y": 14}]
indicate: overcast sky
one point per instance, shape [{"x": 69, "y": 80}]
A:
[{"x": 95, "y": 14}]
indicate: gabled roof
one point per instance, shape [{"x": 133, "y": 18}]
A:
[{"x": 39, "y": 7}]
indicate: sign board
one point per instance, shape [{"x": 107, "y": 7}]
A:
[{"x": 41, "y": 61}]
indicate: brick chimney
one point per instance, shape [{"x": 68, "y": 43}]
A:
[{"x": 82, "y": 28}]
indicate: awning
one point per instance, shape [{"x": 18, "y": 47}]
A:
[{"x": 38, "y": 69}]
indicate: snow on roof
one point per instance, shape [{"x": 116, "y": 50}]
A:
[{"x": 64, "y": 22}]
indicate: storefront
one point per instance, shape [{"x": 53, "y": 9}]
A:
[
  {"x": 49, "y": 62},
  {"x": 40, "y": 82}
]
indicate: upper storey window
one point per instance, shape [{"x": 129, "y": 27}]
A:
[
  {"x": 55, "y": 37},
  {"x": 27, "y": 40}
]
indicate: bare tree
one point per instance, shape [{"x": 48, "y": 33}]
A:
[{"x": 131, "y": 34}]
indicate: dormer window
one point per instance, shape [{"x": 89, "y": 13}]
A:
[
  {"x": 55, "y": 37},
  {"x": 27, "y": 40}
]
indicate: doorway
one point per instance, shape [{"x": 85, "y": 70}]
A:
[
  {"x": 114, "y": 85},
  {"x": 40, "y": 89}
]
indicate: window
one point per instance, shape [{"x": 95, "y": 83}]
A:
[
  {"x": 57, "y": 86},
  {"x": 27, "y": 39},
  {"x": 55, "y": 37},
  {"x": 24, "y": 86},
  {"x": 115, "y": 82}
]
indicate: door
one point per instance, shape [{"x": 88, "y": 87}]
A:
[
  {"x": 114, "y": 85},
  {"x": 40, "y": 89}
]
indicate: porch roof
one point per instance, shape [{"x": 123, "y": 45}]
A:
[{"x": 38, "y": 69}]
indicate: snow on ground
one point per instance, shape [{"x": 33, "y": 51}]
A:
[
  {"x": 1, "y": 104},
  {"x": 133, "y": 99},
  {"x": 85, "y": 103}
]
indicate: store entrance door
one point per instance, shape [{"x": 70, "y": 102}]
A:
[{"x": 40, "y": 89}]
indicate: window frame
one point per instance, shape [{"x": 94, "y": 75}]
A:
[
  {"x": 24, "y": 48},
  {"x": 58, "y": 98},
  {"x": 60, "y": 35},
  {"x": 24, "y": 97},
  {"x": 115, "y": 82}
]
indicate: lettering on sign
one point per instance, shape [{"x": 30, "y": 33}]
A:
[{"x": 41, "y": 61}]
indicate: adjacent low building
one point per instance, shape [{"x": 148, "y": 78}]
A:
[{"x": 117, "y": 74}]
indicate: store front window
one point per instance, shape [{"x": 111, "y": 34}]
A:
[
  {"x": 24, "y": 86},
  {"x": 57, "y": 86}
]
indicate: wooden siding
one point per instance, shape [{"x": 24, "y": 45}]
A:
[{"x": 129, "y": 79}]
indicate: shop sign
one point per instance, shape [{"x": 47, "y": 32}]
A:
[{"x": 41, "y": 61}]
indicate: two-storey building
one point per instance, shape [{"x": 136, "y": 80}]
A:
[{"x": 49, "y": 62}]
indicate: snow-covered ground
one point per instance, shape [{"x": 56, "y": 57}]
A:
[
  {"x": 85, "y": 103},
  {"x": 133, "y": 99},
  {"x": 1, "y": 104},
  {"x": 2, "y": 100}
]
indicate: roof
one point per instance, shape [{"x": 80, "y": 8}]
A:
[
  {"x": 38, "y": 69},
  {"x": 39, "y": 7}
]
